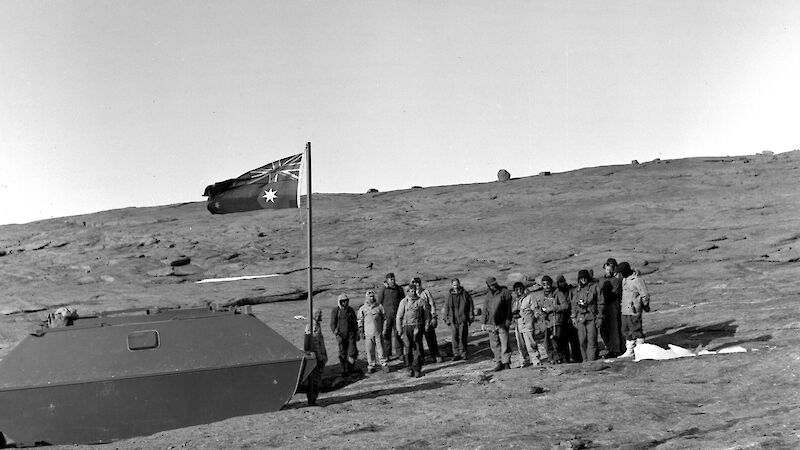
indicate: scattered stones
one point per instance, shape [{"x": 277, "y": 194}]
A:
[
  {"x": 574, "y": 443},
  {"x": 503, "y": 175}
]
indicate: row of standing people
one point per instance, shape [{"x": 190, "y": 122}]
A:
[
  {"x": 394, "y": 323},
  {"x": 573, "y": 318}
]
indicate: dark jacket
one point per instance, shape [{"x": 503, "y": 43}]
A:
[
  {"x": 343, "y": 321},
  {"x": 497, "y": 310},
  {"x": 390, "y": 298},
  {"x": 610, "y": 289},
  {"x": 458, "y": 308},
  {"x": 553, "y": 308},
  {"x": 586, "y": 304}
]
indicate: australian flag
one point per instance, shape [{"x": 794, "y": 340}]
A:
[{"x": 272, "y": 186}]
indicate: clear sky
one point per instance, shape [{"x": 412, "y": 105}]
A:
[{"x": 109, "y": 104}]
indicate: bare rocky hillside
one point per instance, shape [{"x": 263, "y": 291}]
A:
[{"x": 716, "y": 239}]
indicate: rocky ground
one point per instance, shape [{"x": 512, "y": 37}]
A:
[{"x": 715, "y": 238}]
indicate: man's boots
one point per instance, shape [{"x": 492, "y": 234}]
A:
[
  {"x": 498, "y": 367},
  {"x": 628, "y": 349}
]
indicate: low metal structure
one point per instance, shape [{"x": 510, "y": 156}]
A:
[{"x": 113, "y": 377}]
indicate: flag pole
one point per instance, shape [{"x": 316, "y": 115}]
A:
[{"x": 307, "y": 158}]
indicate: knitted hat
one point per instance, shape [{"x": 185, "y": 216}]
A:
[
  {"x": 518, "y": 285},
  {"x": 583, "y": 273},
  {"x": 561, "y": 279},
  {"x": 389, "y": 275},
  {"x": 342, "y": 297},
  {"x": 547, "y": 278},
  {"x": 611, "y": 262},
  {"x": 491, "y": 280}
]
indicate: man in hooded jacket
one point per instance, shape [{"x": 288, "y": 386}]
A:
[
  {"x": 345, "y": 329},
  {"x": 371, "y": 323}
]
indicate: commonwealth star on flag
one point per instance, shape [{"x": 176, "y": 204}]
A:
[{"x": 272, "y": 186}]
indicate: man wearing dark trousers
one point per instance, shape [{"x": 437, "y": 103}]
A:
[
  {"x": 459, "y": 313},
  {"x": 389, "y": 295},
  {"x": 344, "y": 326}
]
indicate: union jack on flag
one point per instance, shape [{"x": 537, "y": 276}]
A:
[{"x": 270, "y": 173}]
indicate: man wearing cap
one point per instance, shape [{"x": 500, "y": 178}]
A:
[
  {"x": 413, "y": 318},
  {"x": 389, "y": 295},
  {"x": 314, "y": 342},
  {"x": 635, "y": 299},
  {"x": 611, "y": 296},
  {"x": 497, "y": 317},
  {"x": 430, "y": 335},
  {"x": 522, "y": 309},
  {"x": 587, "y": 314},
  {"x": 459, "y": 313},
  {"x": 552, "y": 308},
  {"x": 371, "y": 323},
  {"x": 345, "y": 328}
]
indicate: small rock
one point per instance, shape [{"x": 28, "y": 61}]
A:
[
  {"x": 537, "y": 390},
  {"x": 370, "y": 266},
  {"x": 545, "y": 173},
  {"x": 180, "y": 261},
  {"x": 416, "y": 187},
  {"x": 3, "y": 252},
  {"x": 503, "y": 175},
  {"x": 372, "y": 191},
  {"x": 231, "y": 256},
  {"x": 646, "y": 262},
  {"x": 635, "y": 162},
  {"x": 107, "y": 278}
]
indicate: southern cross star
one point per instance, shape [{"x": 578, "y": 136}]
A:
[{"x": 270, "y": 195}]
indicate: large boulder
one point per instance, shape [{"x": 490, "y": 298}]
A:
[{"x": 503, "y": 175}]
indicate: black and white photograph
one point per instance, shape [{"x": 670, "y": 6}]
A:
[{"x": 399, "y": 224}]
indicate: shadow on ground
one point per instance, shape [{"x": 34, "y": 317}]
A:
[{"x": 691, "y": 337}]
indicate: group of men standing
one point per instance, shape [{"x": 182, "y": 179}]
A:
[
  {"x": 572, "y": 318},
  {"x": 395, "y": 323}
]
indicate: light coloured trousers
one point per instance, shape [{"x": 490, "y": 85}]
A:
[
  {"x": 528, "y": 349},
  {"x": 375, "y": 348}
]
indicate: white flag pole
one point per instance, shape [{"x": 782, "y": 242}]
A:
[{"x": 307, "y": 161}]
